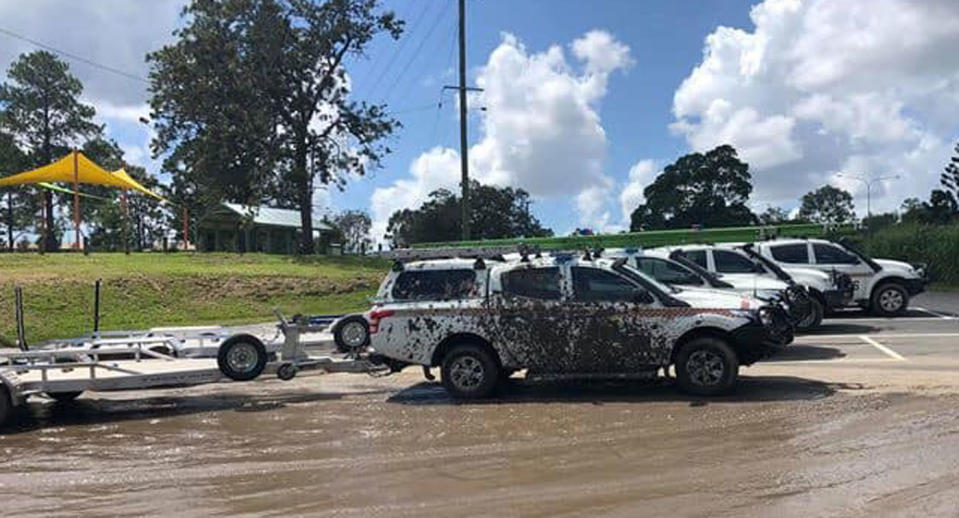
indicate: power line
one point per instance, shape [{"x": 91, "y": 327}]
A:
[
  {"x": 399, "y": 48},
  {"x": 73, "y": 56},
  {"x": 416, "y": 52}
]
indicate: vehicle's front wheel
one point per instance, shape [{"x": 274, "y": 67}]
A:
[
  {"x": 814, "y": 318},
  {"x": 706, "y": 366},
  {"x": 470, "y": 372},
  {"x": 889, "y": 299}
]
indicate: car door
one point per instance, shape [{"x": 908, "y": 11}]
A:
[
  {"x": 532, "y": 320},
  {"x": 828, "y": 257},
  {"x": 734, "y": 268},
  {"x": 610, "y": 333},
  {"x": 791, "y": 254}
]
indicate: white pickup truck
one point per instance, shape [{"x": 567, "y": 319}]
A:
[
  {"x": 563, "y": 316},
  {"x": 882, "y": 285}
]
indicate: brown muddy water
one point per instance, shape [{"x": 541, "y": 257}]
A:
[{"x": 348, "y": 445}]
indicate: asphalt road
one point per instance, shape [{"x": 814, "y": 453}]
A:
[{"x": 860, "y": 418}]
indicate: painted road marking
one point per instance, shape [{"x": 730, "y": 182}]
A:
[
  {"x": 878, "y": 335},
  {"x": 887, "y": 351},
  {"x": 940, "y": 315}
]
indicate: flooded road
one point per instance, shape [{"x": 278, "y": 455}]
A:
[{"x": 348, "y": 445}]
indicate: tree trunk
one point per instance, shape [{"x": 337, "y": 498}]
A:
[
  {"x": 10, "y": 221},
  {"x": 305, "y": 190},
  {"x": 52, "y": 243}
]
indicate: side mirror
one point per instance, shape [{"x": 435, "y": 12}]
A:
[{"x": 643, "y": 297}]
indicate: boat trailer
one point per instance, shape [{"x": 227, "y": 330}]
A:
[{"x": 160, "y": 358}]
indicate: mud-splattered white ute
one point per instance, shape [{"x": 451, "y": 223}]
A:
[{"x": 564, "y": 316}]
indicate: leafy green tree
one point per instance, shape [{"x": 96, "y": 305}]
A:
[
  {"x": 698, "y": 189},
  {"x": 880, "y": 221},
  {"x": 773, "y": 216},
  {"x": 950, "y": 177},
  {"x": 827, "y": 204},
  {"x": 42, "y": 111},
  {"x": 939, "y": 210},
  {"x": 355, "y": 228},
  {"x": 252, "y": 100},
  {"x": 20, "y": 204},
  {"x": 497, "y": 212}
]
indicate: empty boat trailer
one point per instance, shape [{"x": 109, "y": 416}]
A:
[{"x": 146, "y": 360}]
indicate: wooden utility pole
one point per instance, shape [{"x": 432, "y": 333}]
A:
[{"x": 464, "y": 152}]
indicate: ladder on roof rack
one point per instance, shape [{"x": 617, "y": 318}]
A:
[{"x": 471, "y": 252}]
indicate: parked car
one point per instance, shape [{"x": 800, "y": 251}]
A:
[
  {"x": 564, "y": 316},
  {"x": 676, "y": 270},
  {"x": 883, "y": 286}
]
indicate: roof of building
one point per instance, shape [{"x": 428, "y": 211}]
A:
[{"x": 273, "y": 216}]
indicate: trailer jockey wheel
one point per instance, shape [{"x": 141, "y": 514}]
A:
[
  {"x": 286, "y": 372},
  {"x": 241, "y": 357}
]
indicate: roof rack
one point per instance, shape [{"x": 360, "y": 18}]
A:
[{"x": 462, "y": 252}]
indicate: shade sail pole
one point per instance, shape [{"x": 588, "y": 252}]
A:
[
  {"x": 186, "y": 228},
  {"x": 43, "y": 219},
  {"x": 76, "y": 200},
  {"x": 123, "y": 208}
]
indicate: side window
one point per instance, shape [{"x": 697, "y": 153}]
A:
[
  {"x": 697, "y": 256},
  {"x": 830, "y": 254},
  {"x": 795, "y": 254},
  {"x": 536, "y": 283},
  {"x": 731, "y": 262},
  {"x": 434, "y": 284},
  {"x": 593, "y": 284},
  {"x": 667, "y": 272}
]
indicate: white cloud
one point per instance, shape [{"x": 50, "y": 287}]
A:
[
  {"x": 862, "y": 86},
  {"x": 631, "y": 196},
  {"x": 540, "y": 131}
]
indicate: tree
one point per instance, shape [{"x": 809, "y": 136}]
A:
[
  {"x": 939, "y": 210},
  {"x": 355, "y": 227},
  {"x": 950, "y": 177},
  {"x": 827, "y": 204},
  {"x": 42, "y": 111},
  {"x": 252, "y": 101},
  {"x": 20, "y": 205},
  {"x": 497, "y": 212},
  {"x": 698, "y": 189},
  {"x": 773, "y": 216}
]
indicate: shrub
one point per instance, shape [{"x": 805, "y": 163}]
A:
[{"x": 938, "y": 246}]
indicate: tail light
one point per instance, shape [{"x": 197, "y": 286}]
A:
[{"x": 376, "y": 316}]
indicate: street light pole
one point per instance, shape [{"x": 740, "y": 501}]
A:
[{"x": 869, "y": 182}]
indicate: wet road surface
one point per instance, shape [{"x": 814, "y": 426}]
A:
[{"x": 836, "y": 427}]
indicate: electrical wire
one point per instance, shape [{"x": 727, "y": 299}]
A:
[
  {"x": 73, "y": 56},
  {"x": 399, "y": 48},
  {"x": 416, "y": 53}
]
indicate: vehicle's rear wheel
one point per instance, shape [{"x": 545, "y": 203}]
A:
[
  {"x": 351, "y": 333},
  {"x": 241, "y": 357},
  {"x": 6, "y": 406},
  {"x": 706, "y": 366},
  {"x": 64, "y": 397},
  {"x": 814, "y": 318},
  {"x": 470, "y": 372},
  {"x": 889, "y": 299}
]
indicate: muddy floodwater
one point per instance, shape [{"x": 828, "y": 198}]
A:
[{"x": 351, "y": 445}]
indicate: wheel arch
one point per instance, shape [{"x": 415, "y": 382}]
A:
[
  {"x": 699, "y": 332},
  {"x": 462, "y": 338},
  {"x": 892, "y": 279}
]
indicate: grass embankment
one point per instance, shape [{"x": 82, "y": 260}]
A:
[
  {"x": 150, "y": 289},
  {"x": 938, "y": 246}
]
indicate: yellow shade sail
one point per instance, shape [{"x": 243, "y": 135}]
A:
[{"x": 77, "y": 167}]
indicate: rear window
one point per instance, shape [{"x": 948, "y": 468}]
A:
[
  {"x": 592, "y": 284},
  {"x": 796, "y": 254},
  {"x": 536, "y": 283},
  {"x": 829, "y": 254},
  {"x": 665, "y": 271},
  {"x": 697, "y": 256},
  {"x": 731, "y": 262},
  {"x": 434, "y": 284}
]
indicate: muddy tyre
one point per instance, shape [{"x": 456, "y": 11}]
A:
[
  {"x": 64, "y": 397},
  {"x": 351, "y": 334},
  {"x": 6, "y": 405},
  {"x": 706, "y": 366},
  {"x": 889, "y": 299},
  {"x": 470, "y": 372},
  {"x": 814, "y": 318},
  {"x": 241, "y": 357}
]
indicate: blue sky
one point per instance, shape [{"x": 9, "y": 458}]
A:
[{"x": 587, "y": 101}]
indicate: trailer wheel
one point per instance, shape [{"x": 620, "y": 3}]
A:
[
  {"x": 6, "y": 406},
  {"x": 241, "y": 357},
  {"x": 351, "y": 333},
  {"x": 286, "y": 372},
  {"x": 64, "y": 397}
]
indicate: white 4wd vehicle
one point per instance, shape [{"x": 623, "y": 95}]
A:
[
  {"x": 881, "y": 285},
  {"x": 563, "y": 316}
]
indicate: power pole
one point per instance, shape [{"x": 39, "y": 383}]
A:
[{"x": 464, "y": 158}]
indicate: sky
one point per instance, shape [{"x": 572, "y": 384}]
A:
[{"x": 584, "y": 103}]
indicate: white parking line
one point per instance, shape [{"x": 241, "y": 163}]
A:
[
  {"x": 940, "y": 315},
  {"x": 882, "y": 348},
  {"x": 887, "y": 319},
  {"x": 879, "y": 335}
]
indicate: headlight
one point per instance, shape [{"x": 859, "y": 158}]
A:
[
  {"x": 768, "y": 294},
  {"x": 766, "y": 316}
]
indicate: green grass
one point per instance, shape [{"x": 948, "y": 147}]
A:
[{"x": 149, "y": 290}]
